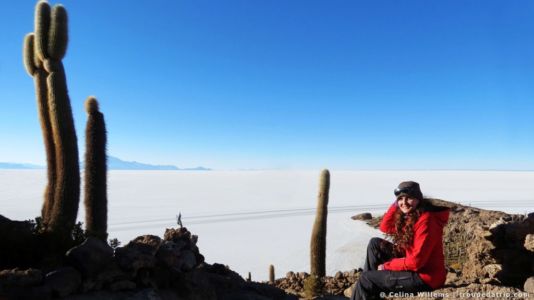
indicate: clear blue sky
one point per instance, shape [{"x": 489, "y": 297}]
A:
[{"x": 289, "y": 84}]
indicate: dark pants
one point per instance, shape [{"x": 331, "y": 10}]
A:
[{"x": 372, "y": 282}]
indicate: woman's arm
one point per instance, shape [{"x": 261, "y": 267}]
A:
[
  {"x": 388, "y": 221},
  {"x": 425, "y": 239}
]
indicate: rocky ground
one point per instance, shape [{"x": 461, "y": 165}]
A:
[
  {"x": 489, "y": 255},
  {"x": 148, "y": 267}
]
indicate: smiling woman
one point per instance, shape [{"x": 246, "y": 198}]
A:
[{"x": 414, "y": 261}]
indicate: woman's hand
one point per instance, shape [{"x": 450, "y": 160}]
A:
[{"x": 380, "y": 267}]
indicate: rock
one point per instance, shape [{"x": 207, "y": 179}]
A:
[
  {"x": 122, "y": 285},
  {"x": 529, "y": 242},
  {"x": 92, "y": 256},
  {"x": 290, "y": 275},
  {"x": 180, "y": 240},
  {"x": 362, "y": 217},
  {"x": 529, "y": 285},
  {"x": 111, "y": 274},
  {"x": 348, "y": 292},
  {"x": 138, "y": 253},
  {"x": 20, "y": 278},
  {"x": 176, "y": 256},
  {"x": 492, "y": 270},
  {"x": 493, "y": 281},
  {"x": 169, "y": 254},
  {"x": 451, "y": 277},
  {"x": 338, "y": 275},
  {"x": 23, "y": 284},
  {"x": 176, "y": 235},
  {"x": 189, "y": 260},
  {"x": 147, "y": 294},
  {"x": 41, "y": 292},
  {"x": 18, "y": 247},
  {"x": 64, "y": 281}
]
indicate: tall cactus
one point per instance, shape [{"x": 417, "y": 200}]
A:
[
  {"x": 318, "y": 237},
  {"x": 34, "y": 67},
  {"x": 271, "y": 274},
  {"x": 95, "y": 196},
  {"x": 49, "y": 47}
]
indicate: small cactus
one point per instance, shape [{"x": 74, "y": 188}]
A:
[
  {"x": 95, "y": 196},
  {"x": 318, "y": 237},
  {"x": 249, "y": 277},
  {"x": 271, "y": 274}
]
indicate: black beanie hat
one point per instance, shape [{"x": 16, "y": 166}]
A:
[{"x": 410, "y": 189}]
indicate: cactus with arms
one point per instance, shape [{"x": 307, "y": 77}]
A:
[{"x": 43, "y": 52}]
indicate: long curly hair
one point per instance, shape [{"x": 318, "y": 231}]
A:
[{"x": 403, "y": 235}]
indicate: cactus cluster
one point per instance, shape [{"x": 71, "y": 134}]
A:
[
  {"x": 44, "y": 50},
  {"x": 318, "y": 237}
]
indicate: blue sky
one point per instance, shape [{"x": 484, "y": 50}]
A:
[{"x": 289, "y": 84}]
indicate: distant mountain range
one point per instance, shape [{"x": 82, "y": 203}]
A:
[
  {"x": 4, "y": 165},
  {"x": 114, "y": 163}
]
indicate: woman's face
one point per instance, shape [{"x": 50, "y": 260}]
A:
[{"x": 407, "y": 204}]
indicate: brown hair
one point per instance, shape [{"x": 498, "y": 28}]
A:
[{"x": 403, "y": 235}]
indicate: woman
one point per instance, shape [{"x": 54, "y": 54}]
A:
[{"x": 414, "y": 261}]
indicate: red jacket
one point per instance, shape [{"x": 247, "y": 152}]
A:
[{"x": 425, "y": 255}]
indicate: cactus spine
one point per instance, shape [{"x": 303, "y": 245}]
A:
[
  {"x": 271, "y": 274},
  {"x": 318, "y": 237},
  {"x": 95, "y": 188},
  {"x": 49, "y": 46}
]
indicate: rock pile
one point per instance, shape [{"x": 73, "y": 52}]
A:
[{"x": 148, "y": 267}]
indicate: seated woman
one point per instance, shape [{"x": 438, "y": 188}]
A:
[{"x": 414, "y": 262}]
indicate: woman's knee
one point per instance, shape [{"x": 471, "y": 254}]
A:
[
  {"x": 375, "y": 243},
  {"x": 363, "y": 279}
]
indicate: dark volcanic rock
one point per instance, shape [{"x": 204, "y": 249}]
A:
[
  {"x": 64, "y": 281},
  {"x": 138, "y": 253},
  {"x": 20, "y": 278},
  {"x": 19, "y": 247},
  {"x": 91, "y": 257},
  {"x": 179, "y": 250}
]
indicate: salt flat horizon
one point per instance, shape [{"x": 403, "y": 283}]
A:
[{"x": 251, "y": 219}]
